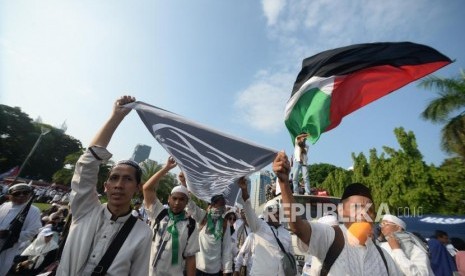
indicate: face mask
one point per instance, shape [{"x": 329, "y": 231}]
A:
[
  {"x": 217, "y": 212},
  {"x": 360, "y": 231}
]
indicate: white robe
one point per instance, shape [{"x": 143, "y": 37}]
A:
[
  {"x": 38, "y": 249},
  {"x": 31, "y": 226},
  {"x": 92, "y": 229}
]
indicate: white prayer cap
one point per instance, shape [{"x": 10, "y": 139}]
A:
[
  {"x": 329, "y": 220},
  {"x": 46, "y": 232},
  {"x": 19, "y": 187},
  {"x": 180, "y": 189},
  {"x": 395, "y": 220}
]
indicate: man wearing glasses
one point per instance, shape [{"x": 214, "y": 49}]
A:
[
  {"x": 19, "y": 195},
  {"x": 404, "y": 248}
]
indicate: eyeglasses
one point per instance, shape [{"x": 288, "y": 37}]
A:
[
  {"x": 16, "y": 194},
  {"x": 385, "y": 223},
  {"x": 231, "y": 218}
]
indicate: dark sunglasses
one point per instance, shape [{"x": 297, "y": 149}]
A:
[
  {"x": 231, "y": 218},
  {"x": 16, "y": 194}
]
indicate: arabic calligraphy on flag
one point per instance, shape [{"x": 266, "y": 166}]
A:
[{"x": 211, "y": 160}]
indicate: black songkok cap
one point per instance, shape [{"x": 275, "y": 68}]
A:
[
  {"x": 132, "y": 164},
  {"x": 356, "y": 189}
]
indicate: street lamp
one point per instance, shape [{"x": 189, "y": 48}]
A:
[{"x": 44, "y": 131}]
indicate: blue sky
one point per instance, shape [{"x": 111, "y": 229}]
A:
[{"x": 229, "y": 65}]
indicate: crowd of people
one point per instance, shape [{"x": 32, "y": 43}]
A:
[{"x": 87, "y": 237}]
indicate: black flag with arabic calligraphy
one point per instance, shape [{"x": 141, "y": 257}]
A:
[{"x": 211, "y": 160}]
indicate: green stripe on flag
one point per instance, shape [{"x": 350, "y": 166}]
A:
[{"x": 309, "y": 114}]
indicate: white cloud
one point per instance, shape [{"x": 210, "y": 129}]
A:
[
  {"x": 261, "y": 104},
  {"x": 272, "y": 9}
]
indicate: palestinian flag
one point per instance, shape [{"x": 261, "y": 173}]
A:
[{"x": 334, "y": 83}]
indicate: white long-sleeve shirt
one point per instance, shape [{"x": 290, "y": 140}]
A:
[
  {"x": 214, "y": 255},
  {"x": 266, "y": 253},
  {"x": 188, "y": 246},
  {"x": 244, "y": 254},
  {"x": 92, "y": 229},
  {"x": 418, "y": 264}
]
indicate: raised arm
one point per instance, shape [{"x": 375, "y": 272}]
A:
[
  {"x": 299, "y": 226},
  {"x": 84, "y": 191},
  {"x": 103, "y": 137},
  {"x": 252, "y": 219},
  {"x": 150, "y": 187}
]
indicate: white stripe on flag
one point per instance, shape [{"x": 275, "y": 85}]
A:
[{"x": 326, "y": 85}]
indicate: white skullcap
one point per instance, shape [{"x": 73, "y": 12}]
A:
[
  {"x": 329, "y": 220},
  {"x": 46, "y": 232},
  {"x": 180, "y": 189},
  {"x": 395, "y": 220}
]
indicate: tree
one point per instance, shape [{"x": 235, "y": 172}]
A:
[
  {"x": 18, "y": 134},
  {"x": 450, "y": 176},
  {"x": 64, "y": 175},
  {"x": 167, "y": 183},
  {"x": 318, "y": 173},
  {"x": 444, "y": 108}
]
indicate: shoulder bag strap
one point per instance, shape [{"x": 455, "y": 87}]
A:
[
  {"x": 334, "y": 251},
  {"x": 382, "y": 256},
  {"x": 113, "y": 249},
  {"x": 279, "y": 242}
]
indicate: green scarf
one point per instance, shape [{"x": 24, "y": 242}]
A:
[
  {"x": 173, "y": 230},
  {"x": 215, "y": 228}
]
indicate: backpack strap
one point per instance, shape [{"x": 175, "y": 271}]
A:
[
  {"x": 334, "y": 251},
  {"x": 156, "y": 226},
  {"x": 113, "y": 249},
  {"x": 382, "y": 257},
  {"x": 190, "y": 227},
  {"x": 163, "y": 214}
]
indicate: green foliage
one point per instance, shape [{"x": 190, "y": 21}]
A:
[
  {"x": 450, "y": 176},
  {"x": 18, "y": 135},
  {"x": 448, "y": 109},
  {"x": 401, "y": 179},
  {"x": 64, "y": 175},
  {"x": 336, "y": 181},
  {"x": 167, "y": 183},
  {"x": 319, "y": 172}
]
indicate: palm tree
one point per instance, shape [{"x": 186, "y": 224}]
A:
[
  {"x": 448, "y": 109},
  {"x": 149, "y": 168}
]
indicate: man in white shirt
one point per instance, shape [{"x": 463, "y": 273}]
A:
[
  {"x": 19, "y": 195},
  {"x": 411, "y": 259},
  {"x": 266, "y": 252},
  {"x": 176, "y": 237},
  {"x": 359, "y": 254},
  {"x": 94, "y": 225},
  {"x": 300, "y": 163},
  {"x": 214, "y": 238}
]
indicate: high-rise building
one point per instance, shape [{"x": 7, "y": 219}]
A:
[
  {"x": 141, "y": 152},
  {"x": 257, "y": 187}
]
